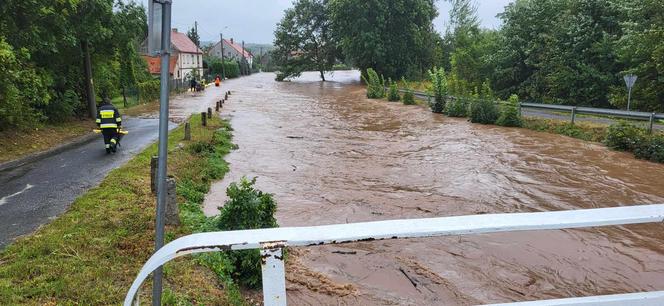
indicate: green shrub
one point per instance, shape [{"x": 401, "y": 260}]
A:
[
  {"x": 148, "y": 91},
  {"x": 393, "y": 93},
  {"x": 509, "y": 114},
  {"x": 375, "y": 84},
  {"x": 232, "y": 69},
  {"x": 457, "y": 107},
  {"x": 408, "y": 96},
  {"x": 439, "y": 87},
  {"x": 247, "y": 208},
  {"x": 623, "y": 136},
  {"x": 62, "y": 107},
  {"x": 651, "y": 148},
  {"x": 483, "y": 111}
]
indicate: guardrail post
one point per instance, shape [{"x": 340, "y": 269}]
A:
[
  {"x": 274, "y": 276},
  {"x": 520, "y": 114},
  {"x": 573, "y": 114},
  {"x": 652, "y": 121}
]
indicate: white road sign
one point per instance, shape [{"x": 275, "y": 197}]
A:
[
  {"x": 630, "y": 79},
  {"x": 154, "y": 27}
]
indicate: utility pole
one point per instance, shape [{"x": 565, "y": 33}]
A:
[
  {"x": 223, "y": 69},
  {"x": 244, "y": 60},
  {"x": 163, "y": 140},
  {"x": 89, "y": 83}
]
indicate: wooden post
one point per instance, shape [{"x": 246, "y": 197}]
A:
[
  {"x": 652, "y": 121},
  {"x": 187, "y": 131},
  {"x": 216, "y": 107},
  {"x": 209, "y": 113},
  {"x": 573, "y": 115},
  {"x": 172, "y": 214},
  {"x": 203, "y": 119},
  {"x": 153, "y": 174}
]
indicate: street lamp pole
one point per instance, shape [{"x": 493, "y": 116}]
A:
[{"x": 163, "y": 142}]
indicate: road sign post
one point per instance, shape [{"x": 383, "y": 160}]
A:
[
  {"x": 630, "y": 79},
  {"x": 159, "y": 42}
]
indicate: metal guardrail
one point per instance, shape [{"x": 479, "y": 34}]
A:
[
  {"x": 574, "y": 110},
  {"x": 272, "y": 241}
]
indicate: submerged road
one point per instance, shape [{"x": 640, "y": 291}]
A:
[{"x": 38, "y": 192}]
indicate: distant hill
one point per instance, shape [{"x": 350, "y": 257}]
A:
[{"x": 255, "y": 49}]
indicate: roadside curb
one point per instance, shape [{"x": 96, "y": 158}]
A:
[{"x": 13, "y": 164}]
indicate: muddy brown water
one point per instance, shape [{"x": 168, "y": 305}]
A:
[{"x": 331, "y": 156}]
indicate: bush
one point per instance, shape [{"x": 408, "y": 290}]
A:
[
  {"x": 509, "y": 114},
  {"x": 483, "y": 111},
  {"x": 62, "y": 107},
  {"x": 393, "y": 93},
  {"x": 651, "y": 148},
  {"x": 148, "y": 91},
  {"x": 247, "y": 208},
  {"x": 408, "y": 96},
  {"x": 375, "y": 84},
  {"x": 623, "y": 136},
  {"x": 232, "y": 69},
  {"x": 439, "y": 87},
  {"x": 457, "y": 107}
]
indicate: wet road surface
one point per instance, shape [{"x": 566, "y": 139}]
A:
[
  {"x": 331, "y": 156},
  {"x": 38, "y": 192}
]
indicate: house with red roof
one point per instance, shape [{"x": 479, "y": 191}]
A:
[
  {"x": 232, "y": 51},
  {"x": 186, "y": 58}
]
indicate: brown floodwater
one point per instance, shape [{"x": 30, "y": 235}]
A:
[{"x": 329, "y": 155}]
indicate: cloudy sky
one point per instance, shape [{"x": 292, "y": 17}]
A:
[{"x": 255, "y": 20}]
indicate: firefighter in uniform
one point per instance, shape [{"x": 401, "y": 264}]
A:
[{"x": 110, "y": 122}]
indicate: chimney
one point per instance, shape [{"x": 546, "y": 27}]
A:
[
  {"x": 175, "y": 30},
  {"x": 231, "y": 40}
]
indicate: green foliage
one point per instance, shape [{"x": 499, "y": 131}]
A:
[
  {"x": 623, "y": 136},
  {"x": 375, "y": 84},
  {"x": 651, "y": 148},
  {"x": 456, "y": 107},
  {"x": 232, "y": 69},
  {"x": 439, "y": 87},
  {"x": 483, "y": 111},
  {"x": 22, "y": 90},
  {"x": 193, "y": 35},
  {"x": 408, "y": 96},
  {"x": 393, "y": 93},
  {"x": 247, "y": 208},
  {"x": 148, "y": 91},
  {"x": 509, "y": 114},
  {"x": 304, "y": 40},
  {"x": 46, "y": 39},
  {"x": 394, "y": 37}
]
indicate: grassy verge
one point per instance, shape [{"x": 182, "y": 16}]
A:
[
  {"x": 581, "y": 130},
  {"x": 90, "y": 254},
  {"x": 14, "y": 143}
]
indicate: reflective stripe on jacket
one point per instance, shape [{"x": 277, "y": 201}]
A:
[{"x": 108, "y": 117}]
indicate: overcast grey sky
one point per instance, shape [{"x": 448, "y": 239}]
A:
[{"x": 255, "y": 20}]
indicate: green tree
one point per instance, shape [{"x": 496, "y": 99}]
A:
[
  {"x": 304, "y": 39},
  {"x": 394, "y": 37},
  {"x": 193, "y": 35}
]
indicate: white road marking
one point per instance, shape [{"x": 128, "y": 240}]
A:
[{"x": 3, "y": 201}]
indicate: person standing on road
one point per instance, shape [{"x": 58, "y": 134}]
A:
[{"x": 109, "y": 121}]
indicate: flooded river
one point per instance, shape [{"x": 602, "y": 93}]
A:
[{"x": 331, "y": 156}]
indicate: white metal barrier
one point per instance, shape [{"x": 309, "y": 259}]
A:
[{"x": 272, "y": 241}]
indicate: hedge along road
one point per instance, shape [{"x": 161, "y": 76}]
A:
[
  {"x": 331, "y": 156},
  {"x": 37, "y": 192}
]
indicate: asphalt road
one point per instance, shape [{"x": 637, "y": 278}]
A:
[{"x": 38, "y": 192}]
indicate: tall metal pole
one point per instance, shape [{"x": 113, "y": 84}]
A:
[
  {"x": 223, "y": 70},
  {"x": 163, "y": 143}
]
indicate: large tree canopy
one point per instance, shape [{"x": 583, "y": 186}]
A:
[
  {"x": 304, "y": 40},
  {"x": 396, "y": 37}
]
